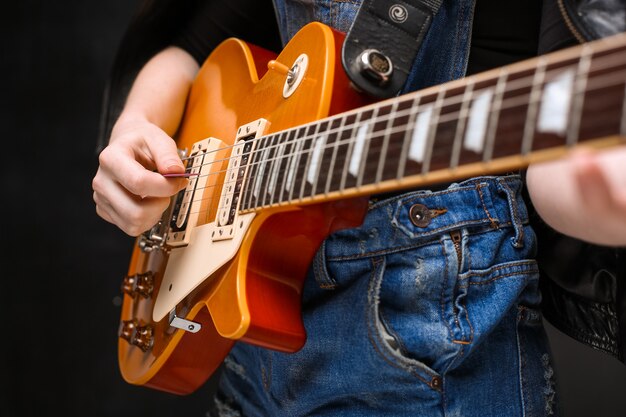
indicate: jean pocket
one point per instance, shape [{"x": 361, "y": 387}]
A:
[{"x": 404, "y": 329}]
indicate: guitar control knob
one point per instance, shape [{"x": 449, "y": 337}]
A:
[
  {"x": 140, "y": 336},
  {"x": 139, "y": 284}
]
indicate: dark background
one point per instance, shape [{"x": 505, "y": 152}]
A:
[{"x": 61, "y": 266}]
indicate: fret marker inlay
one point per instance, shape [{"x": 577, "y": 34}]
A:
[
  {"x": 357, "y": 152},
  {"x": 314, "y": 166},
  {"x": 277, "y": 161},
  {"x": 293, "y": 163},
  {"x": 259, "y": 175},
  {"x": 477, "y": 123},
  {"x": 420, "y": 134},
  {"x": 555, "y": 104}
]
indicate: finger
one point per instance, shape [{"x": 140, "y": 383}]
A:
[
  {"x": 120, "y": 164},
  {"x": 102, "y": 209},
  {"x": 130, "y": 213}
]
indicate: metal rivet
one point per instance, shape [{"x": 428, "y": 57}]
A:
[
  {"x": 436, "y": 382},
  {"x": 420, "y": 215}
]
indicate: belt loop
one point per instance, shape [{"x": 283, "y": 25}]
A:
[{"x": 518, "y": 240}]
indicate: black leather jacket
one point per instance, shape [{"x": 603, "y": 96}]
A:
[{"x": 583, "y": 285}]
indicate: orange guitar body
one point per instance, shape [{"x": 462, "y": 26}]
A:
[{"x": 256, "y": 293}]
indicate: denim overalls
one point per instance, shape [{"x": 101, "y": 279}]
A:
[{"x": 436, "y": 317}]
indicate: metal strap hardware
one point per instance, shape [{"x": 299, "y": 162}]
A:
[{"x": 383, "y": 41}]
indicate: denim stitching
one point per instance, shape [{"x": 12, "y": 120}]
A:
[
  {"x": 517, "y": 225},
  {"x": 322, "y": 276},
  {"x": 463, "y": 340},
  {"x": 373, "y": 335},
  {"x": 433, "y": 239},
  {"x": 494, "y": 222},
  {"x": 548, "y": 391},
  {"x": 521, "y": 364},
  {"x": 458, "y": 34},
  {"x": 514, "y": 264},
  {"x": 510, "y": 274},
  {"x": 443, "y": 291}
]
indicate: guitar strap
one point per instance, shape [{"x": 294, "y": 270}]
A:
[{"x": 383, "y": 41}]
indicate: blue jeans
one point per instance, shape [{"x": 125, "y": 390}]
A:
[{"x": 427, "y": 309}]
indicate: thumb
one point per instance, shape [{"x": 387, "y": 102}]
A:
[{"x": 165, "y": 154}]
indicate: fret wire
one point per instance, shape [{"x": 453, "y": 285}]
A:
[
  {"x": 460, "y": 126},
  {"x": 433, "y": 125},
  {"x": 533, "y": 106},
  {"x": 407, "y": 134},
  {"x": 519, "y": 83},
  {"x": 306, "y": 168},
  {"x": 494, "y": 116},
  {"x": 599, "y": 83},
  {"x": 195, "y": 200},
  {"x": 383, "y": 150},
  {"x": 604, "y": 79},
  {"x": 580, "y": 86},
  {"x": 602, "y": 63},
  {"x": 512, "y": 103},
  {"x": 332, "y": 161},
  {"x": 366, "y": 146}
]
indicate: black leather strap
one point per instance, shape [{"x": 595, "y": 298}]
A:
[{"x": 394, "y": 29}]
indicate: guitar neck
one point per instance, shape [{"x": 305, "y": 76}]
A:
[{"x": 489, "y": 123}]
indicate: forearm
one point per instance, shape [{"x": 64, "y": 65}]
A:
[
  {"x": 129, "y": 188},
  {"x": 160, "y": 90},
  {"x": 583, "y": 196}
]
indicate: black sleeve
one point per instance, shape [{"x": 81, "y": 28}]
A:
[
  {"x": 195, "y": 25},
  {"x": 216, "y": 20}
]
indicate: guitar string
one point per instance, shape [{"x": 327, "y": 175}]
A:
[
  {"x": 396, "y": 129},
  {"x": 508, "y": 103},
  {"x": 400, "y": 128},
  {"x": 517, "y": 84}
]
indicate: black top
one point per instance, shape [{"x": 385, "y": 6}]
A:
[
  {"x": 503, "y": 32},
  {"x": 253, "y": 21}
]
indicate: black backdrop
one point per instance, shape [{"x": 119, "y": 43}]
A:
[{"x": 61, "y": 266}]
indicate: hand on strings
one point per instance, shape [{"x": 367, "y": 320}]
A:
[{"x": 130, "y": 190}]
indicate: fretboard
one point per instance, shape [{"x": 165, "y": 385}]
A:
[{"x": 489, "y": 123}]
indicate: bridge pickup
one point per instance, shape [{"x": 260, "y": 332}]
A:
[{"x": 191, "y": 207}]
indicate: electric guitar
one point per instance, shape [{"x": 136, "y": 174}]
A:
[{"x": 281, "y": 151}]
